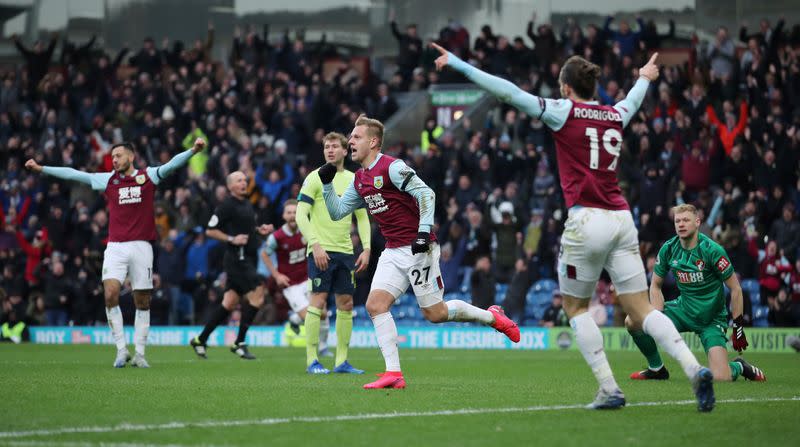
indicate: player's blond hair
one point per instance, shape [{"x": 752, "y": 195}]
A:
[
  {"x": 684, "y": 208},
  {"x": 335, "y": 136},
  {"x": 374, "y": 127},
  {"x": 290, "y": 202}
]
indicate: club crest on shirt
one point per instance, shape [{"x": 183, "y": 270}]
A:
[
  {"x": 700, "y": 264},
  {"x": 377, "y": 182},
  {"x": 140, "y": 179}
]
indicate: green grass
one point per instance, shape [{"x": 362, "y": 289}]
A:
[{"x": 49, "y": 387}]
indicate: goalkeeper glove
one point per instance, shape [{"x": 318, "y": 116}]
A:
[{"x": 738, "y": 338}]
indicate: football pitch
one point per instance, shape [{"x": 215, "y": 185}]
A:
[{"x": 71, "y": 396}]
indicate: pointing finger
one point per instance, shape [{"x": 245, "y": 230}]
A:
[{"x": 438, "y": 48}]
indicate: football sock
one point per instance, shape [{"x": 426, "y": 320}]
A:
[
  {"x": 344, "y": 329},
  {"x": 114, "y": 316},
  {"x": 216, "y": 319},
  {"x": 248, "y": 314},
  {"x": 324, "y": 329},
  {"x": 141, "y": 328},
  {"x": 386, "y": 334},
  {"x": 312, "y": 333},
  {"x": 458, "y": 310},
  {"x": 648, "y": 347},
  {"x": 660, "y": 327},
  {"x": 590, "y": 342},
  {"x": 736, "y": 370}
]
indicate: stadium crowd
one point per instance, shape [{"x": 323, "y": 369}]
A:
[{"x": 720, "y": 132}]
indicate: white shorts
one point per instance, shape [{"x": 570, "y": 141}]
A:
[
  {"x": 132, "y": 258},
  {"x": 595, "y": 239},
  {"x": 297, "y": 295},
  {"x": 398, "y": 268}
]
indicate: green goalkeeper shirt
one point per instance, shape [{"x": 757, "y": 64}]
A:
[{"x": 700, "y": 273}]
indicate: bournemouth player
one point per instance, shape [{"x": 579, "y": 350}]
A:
[
  {"x": 234, "y": 223},
  {"x": 403, "y": 206},
  {"x": 700, "y": 266},
  {"x": 331, "y": 265},
  {"x": 599, "y": 232},
  {"x": 291, "y": 274},
  {"x": 130, "y": 194}
]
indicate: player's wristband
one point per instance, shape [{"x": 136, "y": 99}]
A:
[{"x": 230, "y": 239}]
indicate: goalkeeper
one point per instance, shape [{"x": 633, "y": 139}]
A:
[{"x": 700, "y": 266}]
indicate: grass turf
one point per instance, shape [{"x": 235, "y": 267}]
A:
[{"x": 52, "y": 387}]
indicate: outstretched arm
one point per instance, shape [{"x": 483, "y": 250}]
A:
[
  {"x": 630, "y": 105},
  {"x": 158, "y": 173},
  {"x": 552, "y": 112},
  {"x": 339, "y": 208},
  {"x": 97, "y": 181}
]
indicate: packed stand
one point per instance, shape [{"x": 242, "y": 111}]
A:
[{"x": 720, "y": 133}]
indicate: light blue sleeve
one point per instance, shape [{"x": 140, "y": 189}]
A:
[
  {"x": 271, "y": 245},
  {"x": 630, "y": 105},
  {"x": 712, "y": 216},
  {"x": 406, "y": 180},
  {"x": 157, "y": 173},
  {"x": 339, "y": 208},
  {"x": 553, "y": 112},
  {"x": 98, "y": 181}
]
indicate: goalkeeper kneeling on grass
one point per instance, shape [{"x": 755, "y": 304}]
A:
[{"x": 700, "y": 266}]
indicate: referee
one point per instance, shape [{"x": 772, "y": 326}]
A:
[{"x": 234, "y": 222}]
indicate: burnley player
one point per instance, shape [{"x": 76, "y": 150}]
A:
[
  {"x": 403, "y": 206},
  {"x": 234, "y": 223},
  {"x": 331, "y": 262},
  {"x": 291, "y": 274},
  {"x": 599, "y": 232},
  {"x": 130, "y": 195},
  {"x": 700, "y": 267}
]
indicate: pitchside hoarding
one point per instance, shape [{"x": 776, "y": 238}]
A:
[{"x": 434, "y": 337}]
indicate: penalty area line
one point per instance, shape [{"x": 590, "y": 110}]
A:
[{"x": 352, "y": 417}]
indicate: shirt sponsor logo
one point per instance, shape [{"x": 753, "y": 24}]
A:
[
  {"x": 376, "y": 203},
  {"x": 686, "y": 277},
  {"x": 130, "y": 194},
  {"x": 297, "y": 256},
  {"x": 595, "y": 114},
  {"x": 722, "y": 264},
  {"x": 378, "y": 182}
]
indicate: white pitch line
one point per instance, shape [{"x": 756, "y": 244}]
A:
[
  {"x": 353, "y": 417},
  {"x": 92, "y": 444}
]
